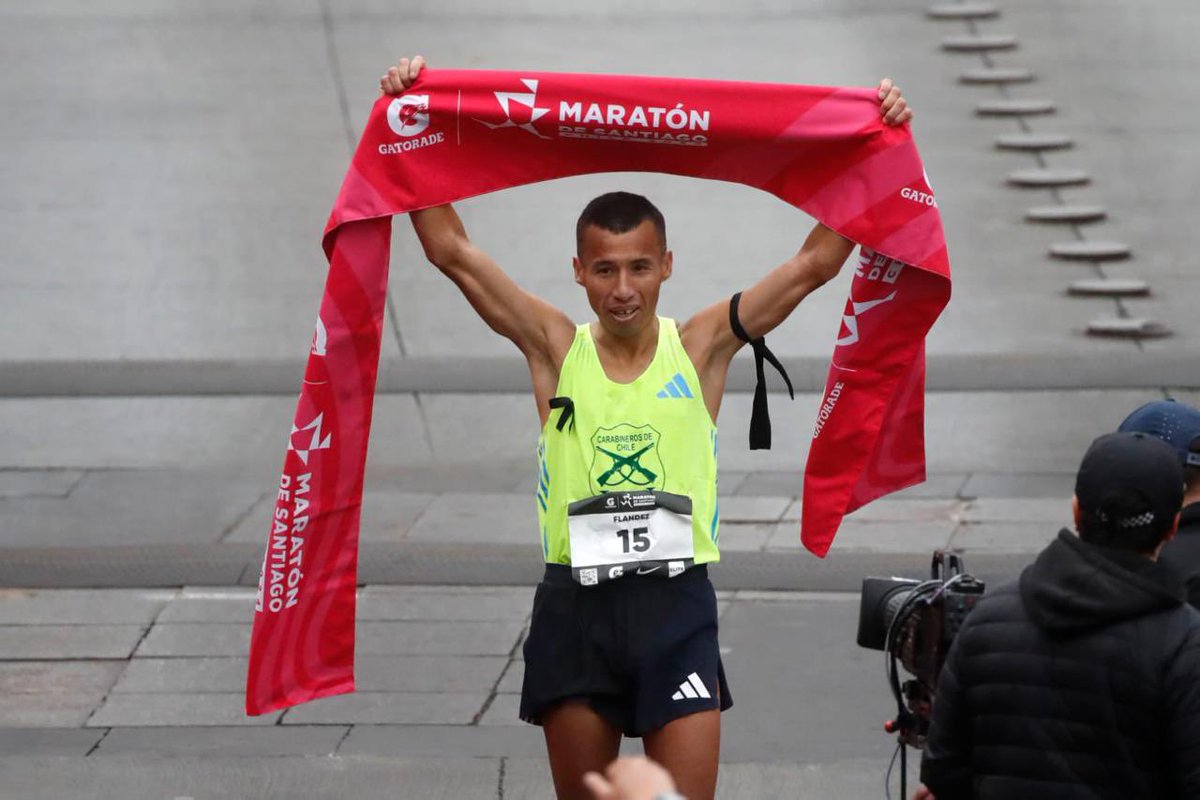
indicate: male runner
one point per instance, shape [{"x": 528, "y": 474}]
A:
[{"x": 623, "y": 638}]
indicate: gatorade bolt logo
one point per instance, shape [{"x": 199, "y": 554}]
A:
[
  {"x": 626, "y": 457},
  {"x": 409, "y": 115}
]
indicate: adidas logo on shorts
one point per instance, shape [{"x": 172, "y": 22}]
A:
[{"x": 691, "y": 689}]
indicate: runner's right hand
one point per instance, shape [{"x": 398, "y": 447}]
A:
[
  {"x": 400, "y": 77},
  {"x": 630, "y": 778}
]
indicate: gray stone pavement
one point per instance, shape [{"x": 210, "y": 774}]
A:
[
  {"x": 203, "y": 162},
  {"x": 157, "y": 710},
  {"x": 143, "y": 472}
]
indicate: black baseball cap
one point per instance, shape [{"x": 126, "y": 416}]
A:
[
  {"x": 1177, "y": 424},
  {"x": 1129, "y": 484}
]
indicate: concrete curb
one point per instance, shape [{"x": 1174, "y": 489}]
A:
[
  {"x": 508, "y": 375},
  {"x": 145, "y": 566}
]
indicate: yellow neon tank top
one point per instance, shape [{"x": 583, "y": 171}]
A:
[{"x": 652, "y": 433}]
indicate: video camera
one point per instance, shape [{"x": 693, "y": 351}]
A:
[{"x": 914, "y": 622}]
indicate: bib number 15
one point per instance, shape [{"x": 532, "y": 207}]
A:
[{"x": 636, "y": 540}]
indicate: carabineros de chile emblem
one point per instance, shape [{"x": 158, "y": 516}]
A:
[{"x": 626, "y": 457}]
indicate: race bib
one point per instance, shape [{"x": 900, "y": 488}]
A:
[{"x": 630, "y": 533}]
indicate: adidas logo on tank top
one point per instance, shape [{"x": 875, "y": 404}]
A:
[{"x": 676, "y": 387}]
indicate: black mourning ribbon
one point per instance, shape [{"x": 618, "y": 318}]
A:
[
  {"x": 760, "y": 417},
  {"x": 568, "y": 411}
]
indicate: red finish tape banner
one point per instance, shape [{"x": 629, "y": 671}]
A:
[{"x": 460, "y": 133}]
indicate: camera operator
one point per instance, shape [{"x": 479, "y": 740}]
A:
[
  {"x": 1178, "y": 424},
  {"x": 1082, "y": 679}
]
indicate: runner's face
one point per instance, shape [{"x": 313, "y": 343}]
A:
[{"x": 622, "y": 273}]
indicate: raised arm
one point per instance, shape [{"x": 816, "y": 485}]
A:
[
  {"x": 536, "y": 327},
  {"x": 710, "y": 340},
  {"x": 541, "y": 331},
  {"x": 708, "y": 337}
]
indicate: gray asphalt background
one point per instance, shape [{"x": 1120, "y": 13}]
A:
[{"x": 168, "y": 168}]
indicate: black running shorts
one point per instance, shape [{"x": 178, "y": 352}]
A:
[{"x": 641, "y": 651}]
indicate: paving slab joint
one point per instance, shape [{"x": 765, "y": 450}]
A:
[
  {"x": 96, "y": 745},
  {"x": 512, "y": 657},
  {"x": 243, "y": 516},
  {"x": 132, "y": 652},
  {"x": 341, "y": 741}
]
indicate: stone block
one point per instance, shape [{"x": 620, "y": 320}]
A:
[
  {"x": 741, "y": 508},
  {"x": 902, "y": 510},
  {"x": 735, "y": 536},
  {"x": 40, "y": 642},
  {"x": 893, "y": 537},
  {"x": 215, "y": 604},
  {"x": 81, "y": 606},
  {"x": 389, "y": 708},
  {"x": 1019, "y": 484},
  {"x": 122, "y": 507},
  {"x": 781, "y": 483},
  {"x": 463, "y": 604},
  {"x": 514, "y": 676},
  {"x": 16, "y": 742},
  {"x": 225, "y": 742},
  {"x": 435, "y": 741},
  {"x": 503, "y": 711},
  {"x": 182, "y": 675},
  {"x": 37, "y": 482},
  {"x": 161, "y": 432},
  {"x": 938, "y": 485},
  {"x": 145, "y": 775},
  {"x": 730, "y": 480},
  {"x": 176, "y": 710},
  {"x": 437, "y": 638},
  {"x": 893, "y": 509},
  {"x": 196, "y": 639},
  {"x": 47, "y": 711},
  {"x": 58, "y": 677},
  {"x": 387, "y": 516},
  {"x": 391, "y": 673},
  {"x": 464, "y": 518},
  {"x": 529, "y": 779},
  {"x": 873, "y": 537},
  {"x": 1050, "y": 513},
  {"x": 1022, "y": 433},
  {"x": 796, "y": 659},
  {"x": 1003, "y": 537},
  {"x": 443, "y": 674},
  {"x": 847, "y": 778}
]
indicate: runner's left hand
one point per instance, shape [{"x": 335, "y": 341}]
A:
[
  {"x": 892, "y": 104},
  {"x": 398, "y": 78}
]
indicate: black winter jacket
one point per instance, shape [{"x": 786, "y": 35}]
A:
[
  {"x": 1182, "y": 553},
  {"x": 1081, "y": 680}
]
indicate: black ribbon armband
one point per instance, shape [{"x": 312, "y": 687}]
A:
[
  {"x": 568, "y": 411},
  {"x": 760, "y": 417}
]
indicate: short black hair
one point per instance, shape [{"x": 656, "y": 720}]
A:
[{"x": 620, "y": 212}]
